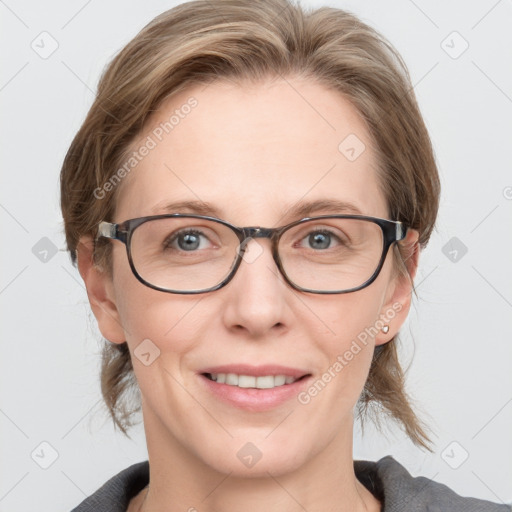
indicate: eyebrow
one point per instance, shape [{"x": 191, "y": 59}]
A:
[{"x": 300, "y": 209}]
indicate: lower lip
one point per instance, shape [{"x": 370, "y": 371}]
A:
[{"x": 253, "y": 399}]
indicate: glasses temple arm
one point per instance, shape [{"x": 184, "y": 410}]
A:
[
  {"x": 106, "y": 230},
  {"x": 401, "y": 231}
]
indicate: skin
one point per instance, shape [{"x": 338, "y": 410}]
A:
[{"x": 253, "y": 152}]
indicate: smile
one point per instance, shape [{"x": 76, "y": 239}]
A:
[
  {"x": 251, "y": 381},
  {"x": 254, "y": 388}
]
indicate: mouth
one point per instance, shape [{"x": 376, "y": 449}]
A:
[
  {"x": 254, "y": 388},
  {"x": 252, "y": 381}
]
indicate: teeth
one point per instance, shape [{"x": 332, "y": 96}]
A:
[
  {"x": 267, "y": 382},
  {"x": 246, "y": 381},
  {"x": 279, "y": 380},
  {"x": 232, "y": 379},
  {"x": 249, "y": 381}
]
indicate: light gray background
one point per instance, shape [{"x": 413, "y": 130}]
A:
[{"x": 458, "y": 336}]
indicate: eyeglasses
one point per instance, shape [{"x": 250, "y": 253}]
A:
[{"x": 187, "y": 254}]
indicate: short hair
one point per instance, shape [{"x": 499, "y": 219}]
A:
[{"x": 242, "y": 41}]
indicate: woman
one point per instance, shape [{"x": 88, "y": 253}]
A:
[{"x": 246, "y": 202}]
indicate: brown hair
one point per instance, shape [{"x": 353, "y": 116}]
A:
[{"x": 197, "y": 42}]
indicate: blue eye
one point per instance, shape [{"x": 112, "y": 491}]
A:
[
  {"x": 319, "y": 240},
  {"x": 189, "y": 240}
]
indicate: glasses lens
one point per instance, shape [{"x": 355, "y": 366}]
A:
[
  {"x": 183, "y": 253},
  {"x": 331, "y": 254}
]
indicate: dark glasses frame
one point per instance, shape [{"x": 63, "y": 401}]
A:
[{"x": 392, "y": 231}]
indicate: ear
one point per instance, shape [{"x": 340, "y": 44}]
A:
[
  {"x": 398, "y": 302},
  {"x": 100, "y": 291}
]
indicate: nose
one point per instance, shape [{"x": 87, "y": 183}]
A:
[{"x": 255, "y": 299}]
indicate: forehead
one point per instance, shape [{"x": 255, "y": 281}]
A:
[{"x": 253, "y": 152}]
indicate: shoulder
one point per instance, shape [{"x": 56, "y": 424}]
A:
[
  {"x": 115, "y": 495},
  {"x": 398, "y": 490},
  {"x": 387, "y": 479}
]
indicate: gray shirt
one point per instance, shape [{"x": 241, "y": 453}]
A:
[{"x": 386, "y": 479}]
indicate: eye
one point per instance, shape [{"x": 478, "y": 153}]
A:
[
  {"x": 321, "y": 239},
  {"x": 187, "y": 240}
]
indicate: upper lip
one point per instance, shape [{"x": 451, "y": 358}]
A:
[{"x": 256, "y": 371}]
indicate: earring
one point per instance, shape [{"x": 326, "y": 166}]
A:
[{"x": 385, "y": 329}]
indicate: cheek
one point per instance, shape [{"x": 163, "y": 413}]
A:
[
  {"x": 337, "y": 320},
  {"x": 344, "y": 330},
  {"x": 168, "y": 320}
]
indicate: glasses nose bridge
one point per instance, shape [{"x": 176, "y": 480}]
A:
[{"x": 258, "y": 232}]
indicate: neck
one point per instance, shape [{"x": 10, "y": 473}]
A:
[{"x": 179, "y": 481}]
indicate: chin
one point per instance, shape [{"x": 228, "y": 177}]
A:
[{"x": 241, "y": 457}]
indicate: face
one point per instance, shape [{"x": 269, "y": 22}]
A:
[{"x": 253, "y": 153}]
